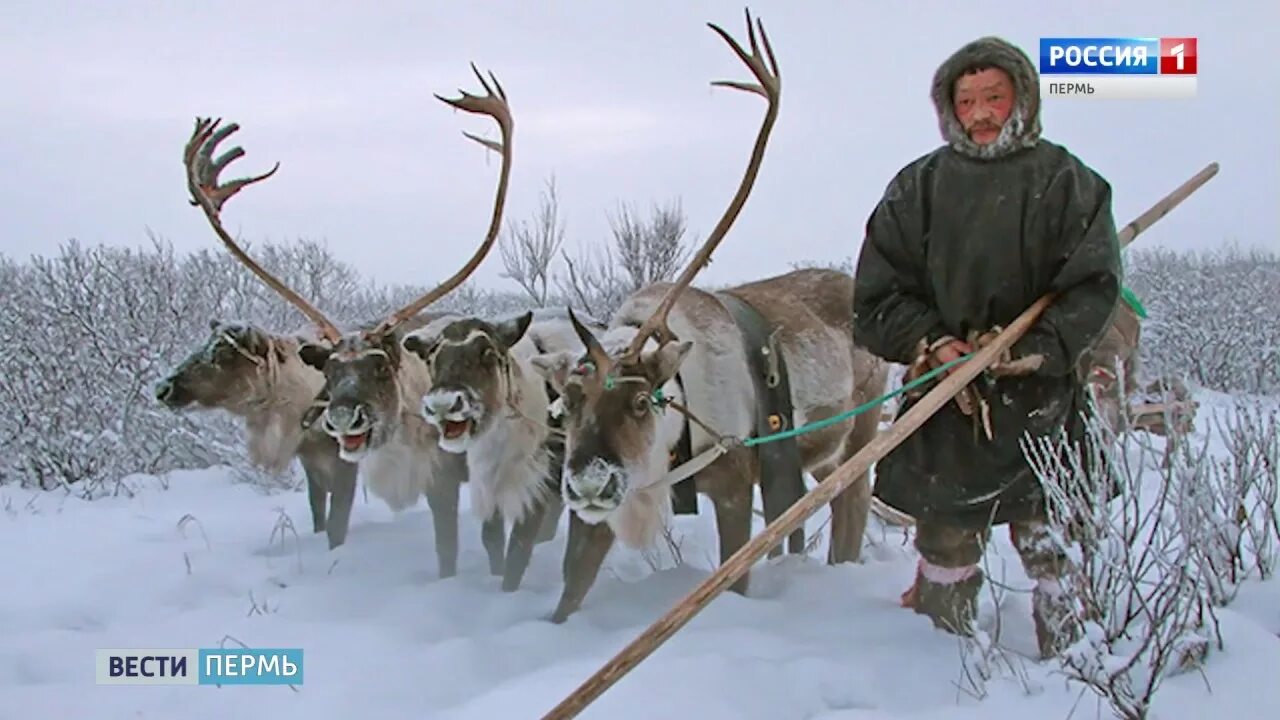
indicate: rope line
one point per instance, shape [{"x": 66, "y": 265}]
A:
[{"x": 827, "y": 422}]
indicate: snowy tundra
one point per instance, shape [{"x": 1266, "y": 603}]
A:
[{"x": 196, "y": 559}]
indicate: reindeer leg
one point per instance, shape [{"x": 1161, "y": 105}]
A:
[
  {"x": 318, "y": 456},
  {"x": 583, "y": 556},
  {"x": 554, "y": 502},
  {"x": 726, "y": 482},
  {"x": 493, "y": 535},
  {"x": 318, "y": 496},
  {"x": 551, "y": 512},
  {"x": 850, "y": 508},
  {"x": 520, "y": 548},
  {"x": 849, "y": 512},
  {"x": 342, "y": 481},
  {"x": 442, "y": 497}
]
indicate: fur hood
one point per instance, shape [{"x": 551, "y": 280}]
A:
[{"x": 1022, "y": 130}]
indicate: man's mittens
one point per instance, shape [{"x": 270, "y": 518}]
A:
[
  {"x": 1025, "y": 365},
  {"x": 986, "y": 338}
]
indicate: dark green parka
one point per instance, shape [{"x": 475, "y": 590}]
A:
[{"x": 966, "y": 238}]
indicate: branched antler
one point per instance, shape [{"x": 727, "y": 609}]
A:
[
  {"x": 769, "y": 86},
  {"x": 202, "y": 182},
  {"x": 493, "y": 104},
  {"x": 595, "y": 352}
]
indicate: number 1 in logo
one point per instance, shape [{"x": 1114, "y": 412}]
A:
[{"x": 1178, "y": 56}]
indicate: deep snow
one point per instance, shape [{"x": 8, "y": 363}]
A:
[{"x": 384, "y": 638}]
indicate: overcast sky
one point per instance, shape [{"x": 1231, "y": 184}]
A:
[{"x": 610, "y": 97}]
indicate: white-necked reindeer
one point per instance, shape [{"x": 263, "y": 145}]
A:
[
  {"x": 488, "y": 402},
  {"x": 258, "y": 376},
  {"x": 669, "y": 347},
  {"x": 372, "y": 388}
]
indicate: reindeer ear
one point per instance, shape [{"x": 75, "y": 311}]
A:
[
  {"x": 313, "y": 354},
  {"x": 510, "y": 331},
  {"x": 420, "y": 344},
  {"x": 251, "y": 339},
  {"x": 662, "y": 364},
  {"x": 554, "y": 368}
]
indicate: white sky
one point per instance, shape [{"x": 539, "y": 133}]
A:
[{"x": 613, "y": 98}]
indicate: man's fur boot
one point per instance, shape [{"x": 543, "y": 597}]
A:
[
  {"x": 1056, "y": 625},
  {"x": 949, "y": 596}
]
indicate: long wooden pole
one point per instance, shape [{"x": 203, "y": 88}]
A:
[{"x": 826, "y": 491}]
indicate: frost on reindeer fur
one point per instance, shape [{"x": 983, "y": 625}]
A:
[
  {"x": 504, "y": 475},
  {"x": 507, "y": 458},
  {"x": 642, "y": 516},
  {"x": 275, "y": 430}
]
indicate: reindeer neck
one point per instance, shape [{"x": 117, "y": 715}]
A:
[{"x": 283, "y": 392}]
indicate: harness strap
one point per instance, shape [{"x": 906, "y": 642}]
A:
[{"x": 684, "y": 494}]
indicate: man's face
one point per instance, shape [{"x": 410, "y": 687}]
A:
[{"x": 983, "y": 102}]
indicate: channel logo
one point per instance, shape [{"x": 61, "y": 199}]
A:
[
  {"x": 199, "y": 666},
  {"x": 1146, "y": 68}
]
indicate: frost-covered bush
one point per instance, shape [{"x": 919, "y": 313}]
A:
[
  {"x": 87, "y": 332},
  {"x": 1213, "y": 316},
  {"x": 1156, "y": 547}
]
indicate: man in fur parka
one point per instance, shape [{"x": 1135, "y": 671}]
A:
[{"x": 964, "y": 239}]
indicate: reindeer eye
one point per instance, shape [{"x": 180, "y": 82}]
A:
[{"x": 640, "y": 403}]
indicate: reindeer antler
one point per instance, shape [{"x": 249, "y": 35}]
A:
[
  {"x": 493, "y": 104},
  {"x": 770, "y": 88},
  {"x": 202, "y": 182}
]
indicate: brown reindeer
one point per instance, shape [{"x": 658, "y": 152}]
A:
[
  {"x": 674, "y": 360},
  {"x": 371, "y": 386},
  {"x": 258, "y": 376},
  {"x": 1111, "y": 369},
  {"x": 1162, "y": 407}
]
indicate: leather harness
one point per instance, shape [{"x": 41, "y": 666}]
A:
[{"x": 781, "y": 469}]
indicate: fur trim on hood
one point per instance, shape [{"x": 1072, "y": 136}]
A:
[{"x": 1022, "y": 130}]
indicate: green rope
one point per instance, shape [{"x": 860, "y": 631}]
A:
[
  {"x": 1134, "y": 302},
  {"x": 818, "y": 425}
]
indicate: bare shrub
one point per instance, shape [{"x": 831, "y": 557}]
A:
[
  {"x": 529, "y": 248},
  {"x": 1239, "y": 500},
  {"x": 1157, "y": 546},
  {"x": 593, "y": 281},
  {"x": 650, "y": 251},
  {"x": 844, "y": 266},
  {"x": 643, "y": 252}
]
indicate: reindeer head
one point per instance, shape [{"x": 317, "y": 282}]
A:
[
  {"x": 361, "y": 368},
  {"x": 362, "y": 392},
  {"x": 611, "y": 404},
  {"x": 613, "y": 417},
  {"x": 225, "y": 371},
  {"x": 470, "y": 366}
]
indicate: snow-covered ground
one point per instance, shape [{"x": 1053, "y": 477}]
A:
[{"x": 204, "y": 561}]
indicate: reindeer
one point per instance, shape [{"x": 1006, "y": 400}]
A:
[
  {"x": 488, "y": 402},
  {"x": 667, "y": 347},
  {"x": 259, "y": 377},
  {"x": 1162, "y": 407},
  {"x": 1111, "y": 367},
  {"x": 372, "y": 387}
]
